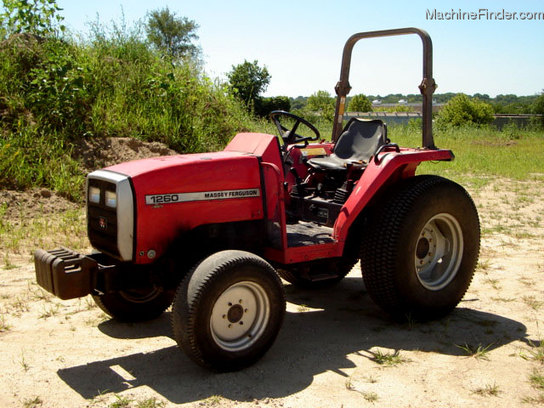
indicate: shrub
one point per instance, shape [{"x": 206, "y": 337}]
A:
[
  {"x": 461, "y": 111},
  {"x": 360, "y": 103},
  {"x": 263, "y": 106},
  {"x": 538, "y": 108},
  {"x": 54, "y": 92},
  {"x": 322, "y": 103}
]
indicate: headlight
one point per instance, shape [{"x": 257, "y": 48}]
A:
[
  {"x": 94, "y": 195},
  {"x": 111, "y": 199}
]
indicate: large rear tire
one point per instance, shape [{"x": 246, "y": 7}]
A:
[
  {"x": 228, "y": 310},
  {"x": 420, "y": 254}
]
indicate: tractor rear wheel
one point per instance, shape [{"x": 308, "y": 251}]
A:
[
  {"x": 419, "y": 256},
  {"x": 228, "y": 310}
]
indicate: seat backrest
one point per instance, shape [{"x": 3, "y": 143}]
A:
[{"x": 361, "y": 139}]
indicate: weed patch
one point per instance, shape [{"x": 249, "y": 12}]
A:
[
  {"x": 477, "y": 351},
  {"x": 487, "y": 390},
  {"x": 388, "y": 359}
]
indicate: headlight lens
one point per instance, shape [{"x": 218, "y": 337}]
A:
[
  {"x": 111, "y": 199},
  {"x": 94, "y": 195}
]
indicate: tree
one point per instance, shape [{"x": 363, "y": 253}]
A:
[
  {"x": 538, "y": 108},
  {"x": 461, "y": 110},
  {"x": 263, "y": 106},
  {"x": 39, "y": 17},
  {"x": 360, "y": 103},
  {"x": 322, "y": 102},
  {"x": 248, "y": 81},
  {"x": 171, "y": 34}
]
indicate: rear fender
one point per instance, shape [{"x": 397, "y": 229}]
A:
[{"x": 388, "y": 168}]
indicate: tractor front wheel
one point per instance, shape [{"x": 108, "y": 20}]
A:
[
  {"x": 228, "y": 310},
  {"x": 136, "y": 304},
  {"x": 419, "y": 256}
]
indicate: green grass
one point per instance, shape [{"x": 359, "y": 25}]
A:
[
  {"x": 150, "y": 403},
  {"x": 4, "y": 326},
  {"x": 388, "y": 359},
  {"x": 537, "y": 380},
  {"x": 19, "y": 235},
  {"x": 487, "y": 390},
  {"x": 479, "y": 351},
  {"x": 32, "y": 402},
  {"x": 121, "y": 402},
  {"x": 532, "y": 302},
  {"x": 212, "y": 401},
  {"x": 370, "y": 396},
  {"x": 536, "y": 353},
  {"x": 481, "y": 154}
]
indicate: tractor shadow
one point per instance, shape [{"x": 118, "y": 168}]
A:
[{"x": 321, "y": 328}]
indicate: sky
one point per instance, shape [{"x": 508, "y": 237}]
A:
[{"x": 498, "y": 49}]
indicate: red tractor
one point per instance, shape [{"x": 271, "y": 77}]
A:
[{"x": 213, "y": 233}]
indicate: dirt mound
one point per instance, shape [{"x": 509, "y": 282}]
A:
[
  {"x": 17, "y": 205},
  {"x": 102, "y": 152},
  {"x": 93, "y": 154}
]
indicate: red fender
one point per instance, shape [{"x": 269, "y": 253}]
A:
[{"x": 389, "y": 167}]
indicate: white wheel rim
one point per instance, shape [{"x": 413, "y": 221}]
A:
[
  {"x": 239, "y": 316},
  {"x": 439, "y": 251}
]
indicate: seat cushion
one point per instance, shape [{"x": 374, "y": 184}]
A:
[{"x": 332, "y": 163}]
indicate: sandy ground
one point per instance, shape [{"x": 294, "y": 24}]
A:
[{"x": 69, "y": 354}]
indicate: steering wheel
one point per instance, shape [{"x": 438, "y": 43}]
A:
[{"x": 290, "y": 136}]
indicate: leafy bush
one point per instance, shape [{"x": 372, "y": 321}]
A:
[
  {"x": 38, "y": 17},
  {"x": 360, "y": 103},
  {"x": 461, "y": 111},
  {"x": 263, "y": 106},
  {"x": 321, "y": 103},
  {"x": 54, "y": 92},
  {"x": 538, "y": 108}
]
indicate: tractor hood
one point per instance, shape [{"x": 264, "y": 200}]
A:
[
  {"x": 159, "y": 165},
  {"x": 150, "y": 202},
  {"x": 171, "y": 195}
]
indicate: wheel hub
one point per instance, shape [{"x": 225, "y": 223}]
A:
[
  {"x": 235, "y": 314},
  {"x": 438, "y": 251},
  {"x": 239, "y": 316},
  {"x": 423, "y": 247}
]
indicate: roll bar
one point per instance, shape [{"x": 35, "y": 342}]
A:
[{"x": 427, "y": 86}]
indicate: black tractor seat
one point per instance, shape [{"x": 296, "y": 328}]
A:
[{"x": 357, "y": 144}]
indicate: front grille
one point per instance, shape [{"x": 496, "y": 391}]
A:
[{"x": 102, "y": 225}]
